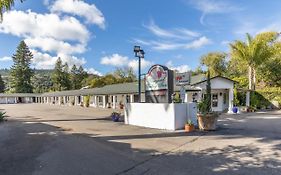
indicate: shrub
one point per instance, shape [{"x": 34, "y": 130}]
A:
[
  {"x": 177, "y": 98},
  {"x": 263, "y": 97},
  {"x": 2, "y": 116},
  {"x": 86, "y": 101},
  {"x": 235, "y": 97}
]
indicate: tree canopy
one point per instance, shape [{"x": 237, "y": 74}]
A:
[
  {"x": 215, "y": 62},
  {"x": 254, "y": 51},
  {"x": 21, "y": 73},
  {"x": 2, "y": 85},
  {"x": 6, "y": 5}
]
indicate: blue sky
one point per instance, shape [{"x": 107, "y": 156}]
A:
[{"x": 100, "y": 35}]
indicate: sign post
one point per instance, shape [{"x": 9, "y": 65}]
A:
[{"x": 182, "y": 79}]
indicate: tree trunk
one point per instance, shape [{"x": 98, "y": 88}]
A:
[
  {"x": 254, "y": 79},
  {"x": 250, "y": 77}
]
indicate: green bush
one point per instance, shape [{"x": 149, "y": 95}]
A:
[
  {"x": 177, "y": 98},
  {"x": 236, "y": 101},
  {"x": 263, "y": 97},
  {"x": 2, "y": 116},
  {"x": 86, "y": 101}
]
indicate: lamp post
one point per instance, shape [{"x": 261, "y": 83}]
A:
[{"x": 140, "y": 54}]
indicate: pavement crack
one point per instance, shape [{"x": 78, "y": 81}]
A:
[{"x": 159, "y": 155}]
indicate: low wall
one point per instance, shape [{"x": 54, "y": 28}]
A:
[{"x": 160, "y": 115}]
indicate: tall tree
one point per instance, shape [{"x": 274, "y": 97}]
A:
[
  {"x": 21, "y": 73},
  {"x": 42, "y": 83},
  {"x": 124, "y": 75},
  {"x": 2, "y": 85},
  {"x": 208, "y": 94},
  {"x": 253, "y": 52},
  {"x": 66, "y": 77},
  {"x": 215, "y": 62},
  {"x": 74, "y": 78},
  {"x": 81, "y": 76},
  {"x": 60, "y": 76},
  {"x": 6, "y": 5}
]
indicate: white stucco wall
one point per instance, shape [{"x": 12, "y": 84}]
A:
[
  {"x": 218, "y": 85},
  {"x": 159, "y": 115}
]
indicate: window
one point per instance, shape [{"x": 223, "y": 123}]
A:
[{"x": 214, "y": 100}]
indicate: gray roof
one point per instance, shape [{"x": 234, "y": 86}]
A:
[
  {"x": 70, "y": 92},
  {"x": 18, "y": 95}
]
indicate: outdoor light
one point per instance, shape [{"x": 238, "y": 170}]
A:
[
  {"x": 136, "y": 50},
  {"x": 140, "y": 54}
]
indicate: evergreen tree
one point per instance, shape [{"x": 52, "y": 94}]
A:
[
  {"x": 21, "y": 73},
  {"x": 60, "y": 76},
  {"x": 208, "y": 94},
  {"x": 66, "y": 77},
  {"x": 74, "y": 78},
  {"x": 82, "y": 74},
  {"x": 2, "y": 85}
]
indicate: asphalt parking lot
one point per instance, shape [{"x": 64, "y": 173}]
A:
[{"x": 44, "y": 139}]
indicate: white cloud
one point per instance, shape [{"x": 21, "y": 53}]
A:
[
  {"x": 93, "y": 71},
  {"x": 225, "y": 42},
  {"x": 180, "y": 68},
  {"x": 213, "y": 7},
  {"x": 48, "y": 44},
  {"x": 43, "y": 60},
  {"x": 80, "y": 8},
  {"x": 135, "y": 64},
  {"x": 173, "y": 39},
  {"x": 177, "y": 33},
  {"x": 123, "y": 61},
  {"x": 173, "y": 45},
  {"x": 5, "y": 59},
  {"x": 202, "y": 41},
  {"x": 115, "y": 60},
  {"x": 274, "y": 26},
  {"x": 46, "y": 61},
  {"x": 48, "y": 35},
  {"x": 31, "y": 24}
]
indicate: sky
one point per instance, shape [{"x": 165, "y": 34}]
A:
[{"x": 100, "y": 35}]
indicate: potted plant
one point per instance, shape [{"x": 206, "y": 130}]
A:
[
  {"x": 189, "y": 126},
  {"x": 235, "y": 101},
  {"x": 121, "y": 105},
  {"x": 115, "y": 116},
  {"x": 207, "y": 119}
]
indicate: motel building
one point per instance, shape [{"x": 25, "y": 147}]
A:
[
  {"x": 114, "y": 96},
  {"x": 158, "y": 88}
]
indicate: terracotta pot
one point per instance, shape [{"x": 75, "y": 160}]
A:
[
  {"x": 189, "y": 128},
  {"x": 207, "y": 122}
]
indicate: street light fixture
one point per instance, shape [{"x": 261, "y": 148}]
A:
[{"x": 140, "y": 54}]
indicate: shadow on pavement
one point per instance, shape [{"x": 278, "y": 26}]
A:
[{"x": 37, "y": 148}]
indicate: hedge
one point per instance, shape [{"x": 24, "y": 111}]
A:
[{"x": 263, "y": 97}]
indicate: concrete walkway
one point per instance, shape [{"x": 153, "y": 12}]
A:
[{"x": 45, "y": 139}]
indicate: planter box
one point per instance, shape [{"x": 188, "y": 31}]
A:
[
  {"x": 207, "y": 122},
  {"x": 170, "y": 116}
]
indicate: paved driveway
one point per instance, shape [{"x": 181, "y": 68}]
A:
[{"x": 44, "y": 139}]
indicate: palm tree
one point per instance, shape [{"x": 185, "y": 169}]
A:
[
  {"x": 254, "y": 52},
  {"x": 5, "y": 5}
]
